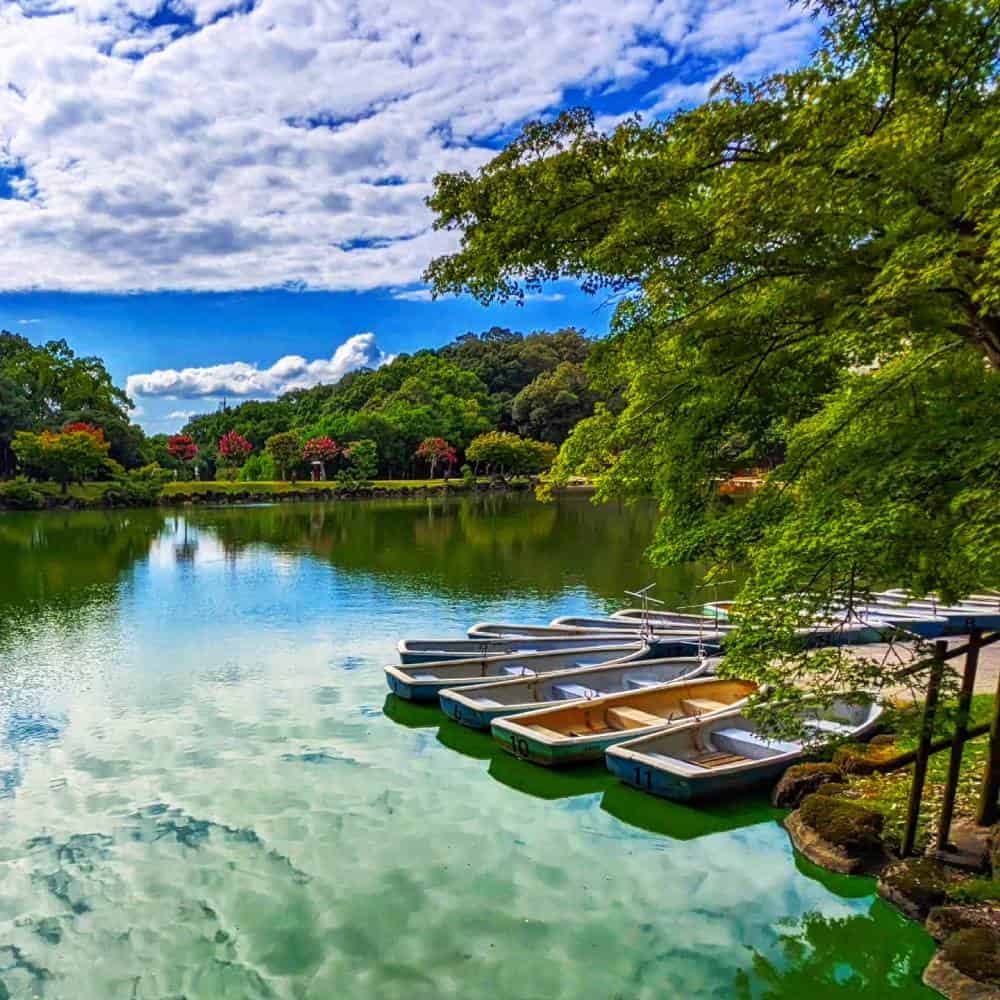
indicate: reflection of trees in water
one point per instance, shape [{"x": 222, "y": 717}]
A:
[
  {"x": 64, "y": 561},
  {"x": 875, "y": 954},
  {"x": 489, "y": 545}
]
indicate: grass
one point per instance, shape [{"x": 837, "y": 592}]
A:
[{"x": 889, "y": 793}]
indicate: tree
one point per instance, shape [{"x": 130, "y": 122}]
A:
[
  {"x": 286, "y": 451},
  {"x": 64, "y": 457},
  {"x": 554, "y": 403},
  {"x": 808, "y": 270},
  {"x": 506, "y": 454},
  {"x": 363, "y": 458},
  {"x": 435, "y": 449},
  {"x": 235, "y": 448},
  {"x": 182, "y": 449},
  {"x": 323, "y": 450},
  {"x": 14, "y": 416}
]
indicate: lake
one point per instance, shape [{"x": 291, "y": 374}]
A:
[{"x": 206, "y": 792}]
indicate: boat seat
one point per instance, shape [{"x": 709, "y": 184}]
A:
[
  {"x": 548, "y": 733},
  {"x": 718, "y": 758},
  {"x": 749, "y": 743},
  {"x": 424, "y": 677},
  {"x": 702, "y": 706},
  {"x": 632, "y": 718},
  {"x": 573, "y": 691},
  {"x": 827, "y": 726},
  {"x": 518, "y": 672},
  {"x": 638, "y": 683},
  {"x": 488, "y": 703}
]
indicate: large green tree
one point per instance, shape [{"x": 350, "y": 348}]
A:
[{"x": 808, "y": 275}]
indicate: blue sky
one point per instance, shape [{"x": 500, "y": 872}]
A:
[{"x": 163, "y": 162}]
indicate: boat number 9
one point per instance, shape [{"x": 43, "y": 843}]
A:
[
  {"x": 520, "y": 745},
  {"x": 644, "y": 777}
]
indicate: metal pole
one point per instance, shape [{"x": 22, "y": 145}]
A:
[
  {"x": 923, "y": 748},
  {"x": 991, "y": 778},
  {"x": 958, "y": 743}
]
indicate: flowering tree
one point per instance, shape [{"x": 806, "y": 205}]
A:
[
  {"x": 234, "y": 448},
  {"x": 81, "y": 427},
  {"x": 182, "y": 448},
  {"x": 434, "y": 450},
  {"x": 322, "y": 450},
  {"x": 66, "y": 457}
]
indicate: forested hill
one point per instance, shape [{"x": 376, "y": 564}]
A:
[{"x": 534, "y": 384}]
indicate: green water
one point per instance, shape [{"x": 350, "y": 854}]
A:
[{"x": 205, "y": 791}]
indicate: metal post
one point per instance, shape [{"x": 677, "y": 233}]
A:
[
  {"x": 991, "y": 778},
  {"x": 958, "y": 742},
  {"x": 923, "y": 748}
]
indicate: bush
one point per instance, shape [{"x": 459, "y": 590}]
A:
[
  {"x": 259, "y": 469},
  {"x": 19, "y": 494},
  {"x": 468, "y": 476},
  {"x": 842, "y": 822},
  {"x": 140, "y": 487}
]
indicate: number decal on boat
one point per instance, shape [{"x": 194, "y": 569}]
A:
[
  {"x": 520, "y": 745},
  {"x": 644, "y": 776}
]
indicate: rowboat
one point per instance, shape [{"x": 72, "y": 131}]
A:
[
  {"x": 959, "y": 618},
  {"x": 988, "y": 601},
  {"x": 478, "y": 706},
  {"x": 585, "y": 729},
  {"x": 613, "y": 624},
  {"x": 425, "y": 681},
  {"x": 668, "y": 617},
  {"x": 724, "y": 754},
  {"x": 501, "y": 630},
  {"x": 430, "y": 650}
]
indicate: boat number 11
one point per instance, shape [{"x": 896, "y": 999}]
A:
[{"x": 644, "y": 777}]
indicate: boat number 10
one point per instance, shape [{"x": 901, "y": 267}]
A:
[{"x": 521, "y": 746}]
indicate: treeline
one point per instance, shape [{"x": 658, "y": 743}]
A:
[
  {"x": 534, "y": 386},
  {"x": 517, "y": 396}
]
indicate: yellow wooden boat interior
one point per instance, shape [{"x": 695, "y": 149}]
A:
[{"x": 638, "y": 709}]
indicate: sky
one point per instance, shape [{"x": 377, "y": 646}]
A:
[{"x": 226, "y": 199}]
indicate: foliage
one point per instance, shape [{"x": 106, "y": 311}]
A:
[
  {"x": 64, "y": 457},
  {"x": 505, "y": 453},
  {"x": 285, "y": 450},
  {"x": 362, "y": 459},
  {"x": 19, "y": 494},
  {"x": 554, "y": 403},
  {"x": 435, "y": 449},
  {"x": 137, "y": 487},
  {"x": 235, "y": 448},
  {"x": 258, "y": 469},
  {"x": 182, "y": 448},
  {"x": 808, "y": 275},
  {"x": 323, "y": 450}
]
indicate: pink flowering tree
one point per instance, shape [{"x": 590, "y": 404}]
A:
[
  {"x": 435, "y": 449},
  {"x": 322, "y": 450},
  {"x": 234, "y": 448}
]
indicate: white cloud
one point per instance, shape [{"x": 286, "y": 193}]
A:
[
  {"x": 414, "y": 295},
  {"x": 180, "y": 415},
  {"x": 198, "y": 144},
  {"x": 246, "y": 379}
]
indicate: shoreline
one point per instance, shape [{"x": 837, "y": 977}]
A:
[{"x": 225, "y": 494}]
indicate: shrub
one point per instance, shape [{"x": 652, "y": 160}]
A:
[
  {"x": 140, "y": 487},
  {"x": 19, "y": 494}
]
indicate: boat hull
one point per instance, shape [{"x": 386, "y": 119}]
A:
[
  {"x": 679, "y": 788},
  {"x": 538, "y": 752}
]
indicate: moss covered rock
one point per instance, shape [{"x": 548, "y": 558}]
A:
[
  {"x": 975, "y": 951},
  {"x": 866, "y": 758},
  {"x": 916, "y": 885},
  {"x": 943, "y": 921},
  {"x": 802, "y": 780},
  {"x": 848, "y": 825}
]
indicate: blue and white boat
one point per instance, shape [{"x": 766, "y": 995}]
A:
[
  {"x": 431, "y": 650},
  {"x": 479, "y": 705},
  {"x": 425, "y": 681},
  {"x": 725, "y": 754}
]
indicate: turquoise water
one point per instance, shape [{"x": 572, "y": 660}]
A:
[{"x": 205, "y": 791}]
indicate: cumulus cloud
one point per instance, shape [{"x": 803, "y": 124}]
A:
[
  {"x": 226, "y": 144},
  {"x": 246, "y": 379}
]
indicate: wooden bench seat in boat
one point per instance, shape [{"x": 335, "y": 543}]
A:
[
  {"x": 573, "y": 691},
  {"x": 632, "y": 718},
  {"x": 702, "y": 706},
  {"x": 637, "y": 683},
  {"x": 518, "y": 672},
  {"x": 717, "y": 758},
  {"x": 826, "y": 726},
  {"x": 749, "y": 744},
  {"x": 548, "y": 733}
]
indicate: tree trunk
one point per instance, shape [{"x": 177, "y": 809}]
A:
[{"x": 433, "y": 466}]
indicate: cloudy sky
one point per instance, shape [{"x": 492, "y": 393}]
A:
[{"x": 228, "y": 198}]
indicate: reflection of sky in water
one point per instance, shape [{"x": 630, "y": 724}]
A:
[{"x": 204, "y": 798}]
